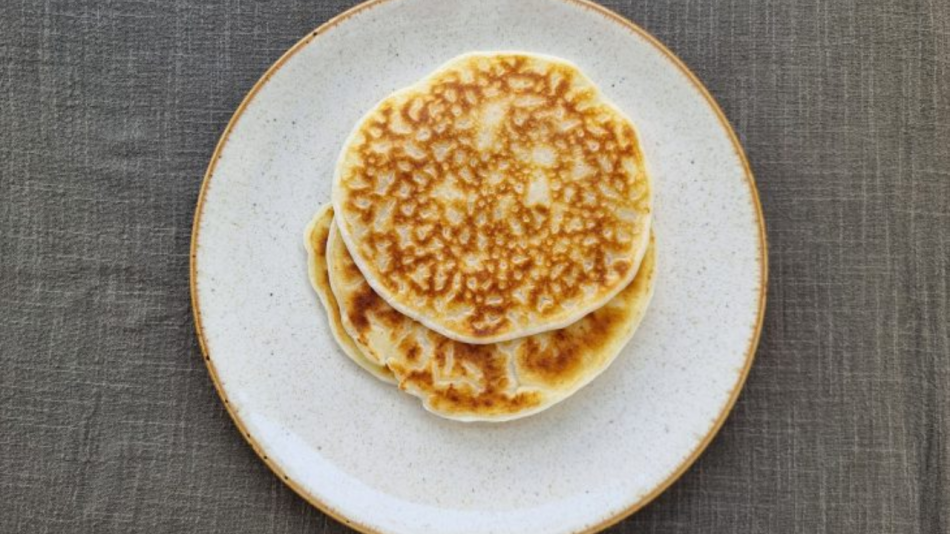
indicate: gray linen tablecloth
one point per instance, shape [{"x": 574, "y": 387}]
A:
[{"x": 110, "y": 110}]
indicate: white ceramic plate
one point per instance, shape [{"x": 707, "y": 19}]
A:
[{"x": 371, "y": 456}]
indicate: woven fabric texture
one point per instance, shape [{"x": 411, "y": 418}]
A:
[{"x": 109, "y": 112}]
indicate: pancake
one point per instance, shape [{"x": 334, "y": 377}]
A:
[
  {"x": 315, "y": 241},
  {"x": 499, "y": 197},
  {"x": 486, "y": 382}
]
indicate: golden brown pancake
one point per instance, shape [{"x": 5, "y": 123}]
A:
[
  {"x": 499, "y": 197},
  {"x": 315, "y": 241},
  {"x": 487, "y": 382}
]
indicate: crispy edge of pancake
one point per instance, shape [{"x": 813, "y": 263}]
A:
[
  {"x": 624, "y": 312},
  {"x": 334, "y": 248},
  {"x": 568, "y": 371},
  {"x": 557, "y": 366},
  {"x": 563, "y": 319},
  {"x": 316, "y": 236}
]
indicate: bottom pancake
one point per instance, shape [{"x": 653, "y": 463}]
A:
[
  {"x": 493, "y": 382},
  {"x": 315, "y": 241}
]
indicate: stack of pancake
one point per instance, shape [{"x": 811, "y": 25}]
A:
[{"x": 488, "y": 248}]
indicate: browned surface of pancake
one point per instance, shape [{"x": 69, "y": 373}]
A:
[
  {"x": 499, "y": 198},
  {"x": 496, "y": 381}
]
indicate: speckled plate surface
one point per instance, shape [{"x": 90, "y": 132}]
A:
[{"x": 371, "y": 456}]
